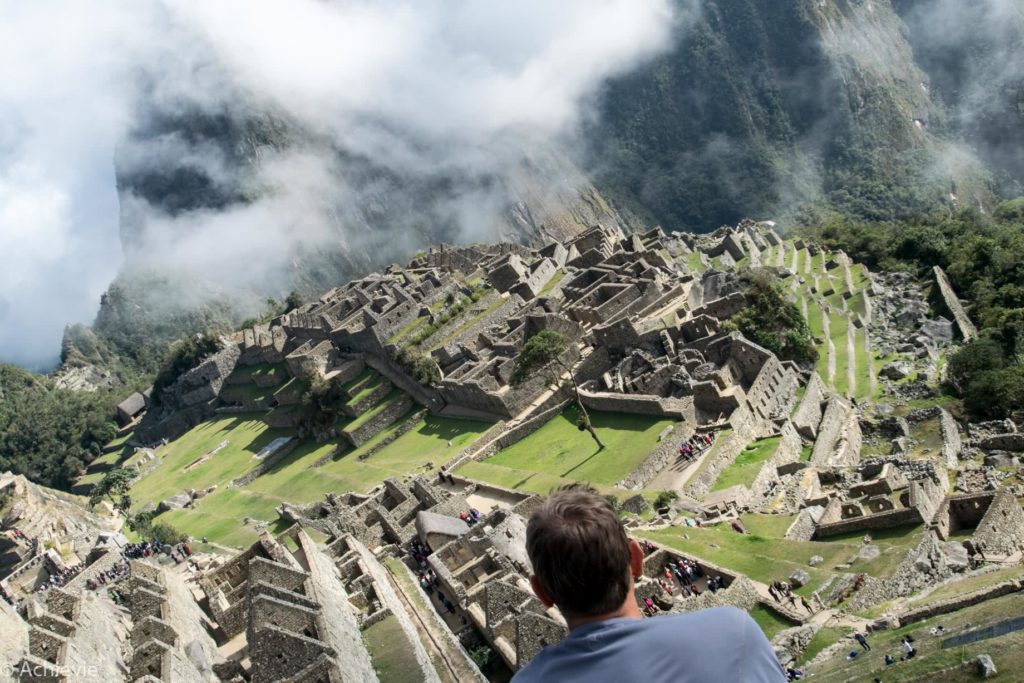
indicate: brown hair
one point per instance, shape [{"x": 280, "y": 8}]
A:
[{"x": 579, "y": 552}]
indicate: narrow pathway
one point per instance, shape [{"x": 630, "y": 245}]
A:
[{"x": 851, "y": 361}]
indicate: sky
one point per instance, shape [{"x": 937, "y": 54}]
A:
[{"x": 420, "y": 87}]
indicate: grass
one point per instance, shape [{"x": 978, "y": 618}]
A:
[
  {"x": 365, "y": 417},
  {"x": 219, "y": 515},
  {"x": 764, "y": 555},
  {"x": 837, "y": 331},
  {"x": 747, "y": 464},
  {"x": 863, "y": 367},
  {"x": 1007, "y": 651},
  {"x": 770, "y": 621},
  {"x": 367, "y": 388},
  {"x": 552, "y": 283},
  {"x": 469, "y": 322},
  {"x": 560, "y": 452},
  {"x": 247, "y": 373},
  {"x": 246, "y": 435},
  {"x": 828, "y": 635},
  {"x": 968, "y": 585},
  {"x": 391, "y": 652}
]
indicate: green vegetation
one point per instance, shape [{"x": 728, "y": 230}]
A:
[
  {"x": 559, "y": 453},
  {"x": 220, "y": 514},
  {"x": 1007, "y": 651},
  {"x": 748, "y": 464},
  {"x": 50, "y": 434},
  {"x": 981, "y": 255},
  {"x": 772, "y": 320},
  {"x": 391, "y": 653},
  {"x": 765, "y": 555},
  {"x": 543, "y": 354},
  {"x": 771, "y": 622},
  {"x": 114, "y": 485},
  {"x": 182, "y": 357}
]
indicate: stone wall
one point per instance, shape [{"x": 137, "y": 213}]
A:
[
  {"x": 788, "y": 451},
  {"x": 663, "y": 454},
  {"x": 829, "y": 430},
  {"x": 949, "y": 298},
  {"x": 341, "y": 627},
  {"x": 808, "y": 414},
  {"x": 379, "y": 422},
  {"x": 881, "y": 520},
  {"x": 678, "y": 409},
  {"x": 959, "y": 602},
  {"x": 1002, "y": 528},
  {"x": 951, "y": 442}
]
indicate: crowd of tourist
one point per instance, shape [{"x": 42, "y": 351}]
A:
[
  {"x": 420, "y": 552},
  {"x": 695, "y": 445},
  {"x": 471, "y": 517},
  {"x": 783, "y": 592},
  {"x": 59, "y": 578},
  {"x": 682, "y": 577}
]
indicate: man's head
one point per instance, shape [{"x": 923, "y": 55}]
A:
[{"x": 582, "y": 560}]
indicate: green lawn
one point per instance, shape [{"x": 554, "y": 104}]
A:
[
  {"x": 829, "y": 635},
  {"x": 391, "y": 653},
  {"x": 968, "y": 585},
  {"x": 219, "y": 515},
  {"x": 365, "y": 417},
  {"x": 246, "y": 435},
  {"x": 371, "y": 384},
  {"x": 747, "y": 464},
  {"x": 764, "y": 555},
  {"x": 559, "y": 451},
  {"x": 864, "y": 368},
  {"x": 838, "y": 324},
  {"x": 770, "y": 622},
  {"x": 247, "y": 373},
  {"x": 1007, "y": 651}
]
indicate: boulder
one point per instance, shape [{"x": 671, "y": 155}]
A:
[
  {"x": 174, "y": 502},
  {"x": 1001, "y": 459},
  {"x": 1003, "y": 442},
  {"x": 939, "y": 330},
  {"x": 800, "y": 577},
  {"x": 897, "y": 370},
  {"x": 986, "y": 667},
  {"x": 637, "y": 504},
  {"x": 816, "y": 560},
  {"x": 955, "y": 556}
]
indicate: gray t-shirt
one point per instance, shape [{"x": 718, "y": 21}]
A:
[{"x": 710, "y": 646}]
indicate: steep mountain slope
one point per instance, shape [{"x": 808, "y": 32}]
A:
[{"x": 761, "y": 108}]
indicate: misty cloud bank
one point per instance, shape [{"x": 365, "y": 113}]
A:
[{"x": 422, "y": 89}]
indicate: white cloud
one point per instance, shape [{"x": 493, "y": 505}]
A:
[{"x": 421, "y": 87}]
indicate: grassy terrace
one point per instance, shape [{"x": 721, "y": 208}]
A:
[
  {"x": 747, "y": 464},
  {"x": 391, "y": 652},
  {"x": 469, "y": 322},
  {"x": 219, "y": 515},
  {"x": 245, "y": 434},
  {"x": 1007, "y": 651},
  {"x": 553, "y": 282},
  {"x": 365, "y": 417},
  {"x": 559, "y": 453},
  {"x": 770, "y": 622},
  {"x": 248, "y": 373},
  {"x": 764, "y": 555},
  {"x": 371, "y": 383}
]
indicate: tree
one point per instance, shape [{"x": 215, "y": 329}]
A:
[
  {"x": 293, "y": 301},
  {"x": 542, "y": 351},
  {"x": 113, "y": 485}
]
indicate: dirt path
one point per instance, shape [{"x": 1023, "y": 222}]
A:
[{"x": 851, "y": 362}]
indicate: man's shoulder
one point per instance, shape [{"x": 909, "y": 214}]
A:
[{"x": 714, "y": 617}]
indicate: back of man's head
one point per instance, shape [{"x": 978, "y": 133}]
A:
[{"x": 580, "y": 553}]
